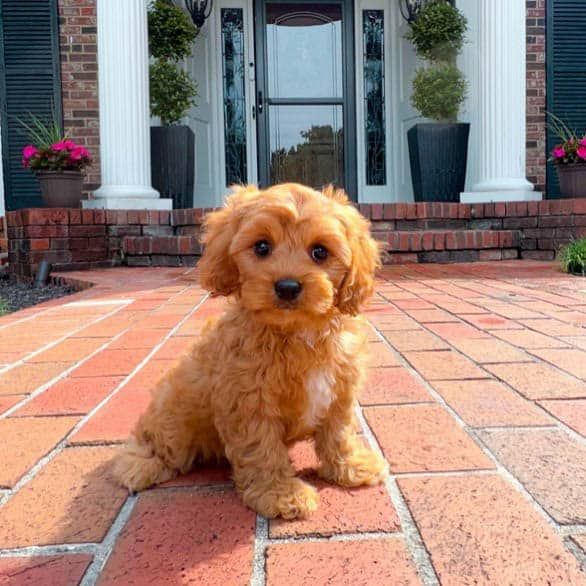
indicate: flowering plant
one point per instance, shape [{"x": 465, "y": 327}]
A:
[
  {"x": 63, "y": 155},
  {"x": 572, "y": 149},
  {"x": 52, "y": 150}
]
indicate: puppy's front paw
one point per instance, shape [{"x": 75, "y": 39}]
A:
[
  {"x": 362, "y": 467},
  {"x": 136, "y": 467},
  {"x": 291, "y": 500}
]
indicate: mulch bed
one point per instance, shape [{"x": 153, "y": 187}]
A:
[{"x": 16, "y": 295}]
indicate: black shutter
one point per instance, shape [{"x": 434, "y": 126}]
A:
[
  {"x": 29, "y": 82},
  {"x": 566, "y": 71}
]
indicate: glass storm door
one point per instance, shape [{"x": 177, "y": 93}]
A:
[{"x": 305, "y": 96}]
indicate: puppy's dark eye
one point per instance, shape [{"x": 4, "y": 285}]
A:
[
  {"x": 319, "y": 253},
  {"x": 262, "y": 248}
]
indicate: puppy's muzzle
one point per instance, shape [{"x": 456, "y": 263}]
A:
[{"x": 288, "y": 289}]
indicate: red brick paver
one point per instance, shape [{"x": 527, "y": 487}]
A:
[
  {"x": 62, "y": 569},
  {"x": 358, "y": 563},
  {"x": 475, "y": 396},
  {"x": 182, "y": 538},
  {"x": 479, "y": 530},
  {"x": 570, "y": 412},
  {"x": 417, "y": 438}
]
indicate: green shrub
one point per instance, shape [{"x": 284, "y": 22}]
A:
[
  {"x": 171, "y": 32},
  {"x": 573, "y": 257},
  {"x": 438, "y": 92},
  {"x": 172, "y": 92},
  {"x": 439, "y": 31}
]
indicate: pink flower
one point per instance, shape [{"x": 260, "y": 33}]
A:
[
  {"x": 79, "y": 153},
  {"x": 69, "y": 144},
  {"x": 59, "y": 146},
  {"x": 559, "y": 152},
  {"x": 581, "y": 152},
  {"x": 583, "y": 142},
  {"x": 29, "y": 151}
]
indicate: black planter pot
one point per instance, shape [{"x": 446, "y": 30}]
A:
[
  {"x": 438, "y": 154},
  {"x": 173, "y": 163}
]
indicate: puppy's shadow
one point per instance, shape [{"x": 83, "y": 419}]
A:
[{"x": 176, "y": 533}]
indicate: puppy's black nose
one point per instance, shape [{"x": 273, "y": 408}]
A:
[{"x": 287, "y": 289}]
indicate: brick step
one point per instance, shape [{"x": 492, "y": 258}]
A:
[
  {"x": 439, "y": 240},
  {"x": 448, "y": 246}
]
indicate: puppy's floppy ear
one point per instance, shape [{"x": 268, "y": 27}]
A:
[
  {"x": 218, "y": 272},
  {"x": 335, "y": 193},
  {"x": 358, "y": 284}
]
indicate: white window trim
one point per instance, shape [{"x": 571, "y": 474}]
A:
[
  {"x": 377, "y": 193},
  {"x": 251, "y": 147}
]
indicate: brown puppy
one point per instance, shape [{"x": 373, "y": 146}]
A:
[{"x": 284, "y": 363}]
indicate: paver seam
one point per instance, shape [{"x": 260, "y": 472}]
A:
[
  {"x": 50, "y": 550},
  {"x": 105, "y": 549},
  {"x": 60, "y": 446},
  {"x": 30, "y": 355},
  {"x": 259, "y": 558},
  {"x": 413, "y": 540},
  {"x": 40, "y": 390},
  {"x": 473, "y": 433},
  {"x": 555, "y": 421},
  {"x": 577, "y": 551},
  {"x": 573, "y": 529}
]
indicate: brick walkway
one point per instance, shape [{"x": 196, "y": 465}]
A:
[{"x": 477, "y": 398}]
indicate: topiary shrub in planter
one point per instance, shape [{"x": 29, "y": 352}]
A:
[
  {"x": 172, "y": 93},
  {"x": 573, "y": 257},
  {"x": 438, "y": 151}
]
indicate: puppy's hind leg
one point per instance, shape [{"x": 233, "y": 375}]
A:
[{"x": 175, "y": 430}]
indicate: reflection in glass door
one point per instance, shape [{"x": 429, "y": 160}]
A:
[{"x": 304, "y": 93}]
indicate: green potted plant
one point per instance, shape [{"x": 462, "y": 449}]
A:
[
  {"x": 438, "y": 150},
  {"x": 569, "y": 158},
  {"x": 573, "y": 257},
  {"x": 57, "y": 162},
  {"x": 172, "y": 93}
]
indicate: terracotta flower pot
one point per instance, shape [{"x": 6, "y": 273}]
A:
[
  {"x": 572, "y": 179},
  {"x": 61, "y": 189}
]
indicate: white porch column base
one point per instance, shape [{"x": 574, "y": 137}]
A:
[
  {"x": 501, "y": 137},
  {"x": 123, "y": 63},
  {"x": 499, "y": 196},
  {"x": 128, "y": 203}
]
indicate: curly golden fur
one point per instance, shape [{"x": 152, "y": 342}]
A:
[{"x": 270, "y": 371}]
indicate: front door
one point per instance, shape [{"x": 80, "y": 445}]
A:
[{"x": 305, "y": 93}]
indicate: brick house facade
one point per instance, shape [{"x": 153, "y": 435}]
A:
[
  {"x": 78, "y": 45},
  {"x": 79, "y": 78},
  {"x": 536, "y": 93},
  {"x": 78, "y": 48}
]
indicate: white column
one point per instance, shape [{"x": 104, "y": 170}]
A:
[
  {"x": 501, "y": 98},
  {"x": 123, "y": 63}
]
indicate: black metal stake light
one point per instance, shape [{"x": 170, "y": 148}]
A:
[
  {"x": 200, "y": 10},
  {"x": 410, "y": 9}
]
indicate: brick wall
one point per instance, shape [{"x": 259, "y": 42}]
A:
[
  {"x": 79, "y": 72},
  {"x": 423, "y": 232},
  {"x": 76, "y": 239},
  {"x": 536, "y": 88}
]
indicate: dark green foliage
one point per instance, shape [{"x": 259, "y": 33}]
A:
[
  {"x": 171, "y": 32},
  {"x": 171, "y": 37},
  {"x": 439, "y": 31},
  {"x": 438, "y": 92},
  {"x": 172, "y": 92},
  {"x": 438, "y": 34},
  {"x": 573, "y": 257}
]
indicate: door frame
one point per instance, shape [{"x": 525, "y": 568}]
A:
[{"x": 348, "y": 101}]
